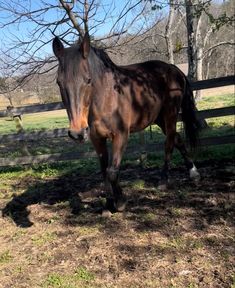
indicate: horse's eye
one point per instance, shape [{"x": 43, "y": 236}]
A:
[{"x": 88, "y": 81}]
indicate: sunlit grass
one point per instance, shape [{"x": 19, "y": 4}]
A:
[
  {"x": 36, "y": 121},
  {"x": 45, "y": 171},
  {"x": 5, "y": 257},
  {"x": 81, "y": 278},
  {"x": 138, "y": 184},
  {"x": 42, "y": 239},
  {"x": 46, "y": 120},
  {"x": 57, "y": 119},
  {"x": 216, "y": 101}
]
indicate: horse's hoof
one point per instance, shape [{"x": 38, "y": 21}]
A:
[
  {"x": 106, "y": 213},
  {"x": 115, "y": 206},
  {"x": 194, "y": 174},
  {"x": 162, "y": 187},
  {"x": 120, "y": 205}
]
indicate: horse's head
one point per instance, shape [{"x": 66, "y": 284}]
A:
[{"x": 74, "y": 80}]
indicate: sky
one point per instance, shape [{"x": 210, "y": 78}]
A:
[
  {"x": 103, "y": 20},
  {"x": 21, "y": 29},
  {"x": 25, "y": 29}
]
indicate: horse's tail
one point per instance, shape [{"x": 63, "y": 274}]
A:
[{"x": 191, "y": 124}]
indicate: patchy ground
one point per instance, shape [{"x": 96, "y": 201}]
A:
[{"x": 180, "y": 238}]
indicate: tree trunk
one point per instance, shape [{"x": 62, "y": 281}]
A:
[
  {"x": 168, "y": 35},
  {"x": 192, "y": 63},
  {"x": 192, "y": 48},
  {"x": 199, "y": 54},
  {"x": 9, "y": 96},
  {"x": 208, "y": 65}
]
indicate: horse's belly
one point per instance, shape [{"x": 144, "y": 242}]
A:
[{"x": 144, "y": 118}]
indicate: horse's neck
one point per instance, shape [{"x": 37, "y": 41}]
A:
[{"x": 101, "y": 66}]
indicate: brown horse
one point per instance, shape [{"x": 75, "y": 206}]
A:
[{"x": 114, "y": 101}]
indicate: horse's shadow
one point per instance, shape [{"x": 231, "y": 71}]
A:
[
  {"x": 74, "y": 189},
  {"x": 66, "y": 188}
]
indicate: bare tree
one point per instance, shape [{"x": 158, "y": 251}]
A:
[
  {"x": 29, "y": 51},
  {"x": 29, "y": 27},
  {"x": 201, "y": 24},
  {"x": 169, "y": 31},
  {"x": 6, "y": 85}
]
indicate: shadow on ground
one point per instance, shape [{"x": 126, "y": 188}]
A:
[{"x": 210, "y": 199}]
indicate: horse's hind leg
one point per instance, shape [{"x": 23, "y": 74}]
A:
[
  {"x": 167, "y": 122},
  {"x": 179, "y": 144}
]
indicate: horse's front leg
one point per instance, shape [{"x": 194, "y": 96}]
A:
[
  {"x": 100, "y": 145},
  {"x": 118, "y": 147}
]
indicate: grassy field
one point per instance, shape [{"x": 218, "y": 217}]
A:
[
  {"x": 58, "y": 119},
  {"x": 36, "y": 121},
  {"x": 53, "y": 235}
]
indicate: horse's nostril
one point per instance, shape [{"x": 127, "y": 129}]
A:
[
  {"x": 75, "y": 135},
  {"x": 80, "y": 137}
]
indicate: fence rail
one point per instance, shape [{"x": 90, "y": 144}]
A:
[
  {"x": 199, "y": 85},
  {"x": 213, "y": 83},
  {"x": 30, "y": 136},
  {"x": 62, "y": 132},
  {"x": 137, "y": 149}
]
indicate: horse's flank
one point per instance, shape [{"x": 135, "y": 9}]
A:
[{"x": 133, "y": 95}]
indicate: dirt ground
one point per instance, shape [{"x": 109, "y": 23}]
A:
[{"x": 53, "y": 234}]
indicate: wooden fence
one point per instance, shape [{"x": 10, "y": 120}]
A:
[{"x": 31, "y": 136}]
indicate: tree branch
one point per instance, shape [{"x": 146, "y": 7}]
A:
[{"x": 216, "y": 46}]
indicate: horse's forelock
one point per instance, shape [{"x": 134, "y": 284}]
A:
[{"x": 98, "y": 60}]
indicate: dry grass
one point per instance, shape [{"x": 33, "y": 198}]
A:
[
  {"x": 180, "y": 238},
  {"x": 219, "y": 91}
]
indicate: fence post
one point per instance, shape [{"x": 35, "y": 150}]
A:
[
  {"x": 20, "y": 129},
  {"x": 143, "y": 153}
]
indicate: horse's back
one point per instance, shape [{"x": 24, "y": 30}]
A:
[{"x": 153, "y": 66}]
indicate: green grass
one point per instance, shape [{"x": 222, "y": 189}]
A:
[
  {"x": 53, "y": 280},
  {"x": 45, "y": 171},
  {"x": 216, "y": 101},
  {"x": 45, "y": 121},
  {"x": 58, "y": 119},
  {"x": 36, "y": 121},
  {"x": 138, "y": 184},
  {"x": 81, "y": 278},
  {"x": 5, "y": 257},
  {"x": 87, "y": 166},
  {"x": 82, "y": 273},
  {"x": 44, "y": 238}
]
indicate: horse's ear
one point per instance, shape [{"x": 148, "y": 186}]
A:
[
  {"x": 85, "y": 45},
  {"x": 58, "y": 47}
]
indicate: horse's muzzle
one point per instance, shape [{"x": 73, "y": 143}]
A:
[{"x": 80, "y": 136}]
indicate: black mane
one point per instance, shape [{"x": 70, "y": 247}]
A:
[
  {"x": 100, "y": 62},
  {"x": 104, "y": 57}
]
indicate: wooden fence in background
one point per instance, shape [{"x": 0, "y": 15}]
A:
[{"x": 31, "y": 136}]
